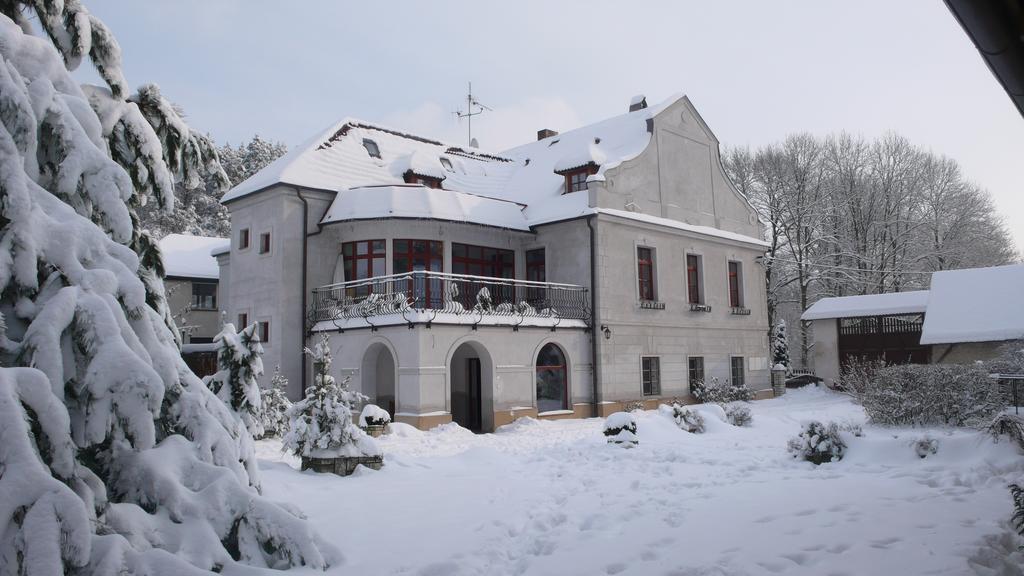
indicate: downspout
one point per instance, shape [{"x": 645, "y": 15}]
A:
[
  {"x": 595, "y": 328},
  {"x": 305, "y": 272}
]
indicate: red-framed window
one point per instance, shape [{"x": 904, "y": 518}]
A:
[
  {"x": 265, "y": 243},
  {"x": 363, "y": 259},
  {"x": 735, "y": 299},
  {"x": 243, "y": 321},
  {"x": 264, "y": 331},
  {"x": 552, "y": 379},
  {"x": 418, "y": 256},
  {"x": 243, "y": 238},
  {"x": 693, "y": 278},
  {"x": 645, "y": 272},
  {"x": 483, "y": 261},
  {"x": 429, "y": 181},
  {"x": 576, "y": 180}
]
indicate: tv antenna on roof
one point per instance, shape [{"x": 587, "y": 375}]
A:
[{"x": 469, "y": 113}]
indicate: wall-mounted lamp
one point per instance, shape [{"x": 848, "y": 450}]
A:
[{"x": 607, "y": 331}]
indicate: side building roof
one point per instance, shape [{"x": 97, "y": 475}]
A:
[
  {"x": 868, "y": 305},
  {"x": 975, "y": 305},
  {"x": 190, "y": 256}
]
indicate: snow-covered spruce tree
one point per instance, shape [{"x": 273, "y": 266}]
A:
[
  {"x": 275, "y": 405},
  {"x": 114, "y": 457},
  {"x": 780, "y": 345},
  {"x": 239, "y": 364},
  {"x": 320, "y": 425}
]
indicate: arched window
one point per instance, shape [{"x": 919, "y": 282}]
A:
[{"x": 552, "y": 379}]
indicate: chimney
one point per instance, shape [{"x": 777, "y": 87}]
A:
[
  {"x": 546, "y": 133},
  {"x": 639, "y": 102}
]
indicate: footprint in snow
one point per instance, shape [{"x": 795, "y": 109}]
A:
[
  {"x": 614, "y": 568},
  {"x": 884, "y": 543}
]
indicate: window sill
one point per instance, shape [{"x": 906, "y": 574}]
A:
[
  {"x": 555, "y": 413},
  {"x": 652, "y": 305},
  {"x": 694, "y": 307},
  {"x": 739, "y": 311},
  {"x": 198, "y": 309}
]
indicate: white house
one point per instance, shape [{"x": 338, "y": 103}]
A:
[
  {"x": 192, "y": 283},
  {"x": 564, "y": 277},
  {"x": 966, "y": 315}
]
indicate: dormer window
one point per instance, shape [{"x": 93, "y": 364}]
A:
[
  {"x": 411, "y": 177},
  {"x": 576, "y": 178},
  {"x": 371, "y": 148},
  {"x": 447, "y": 164}
]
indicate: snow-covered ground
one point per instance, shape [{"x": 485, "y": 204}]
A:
[{"x": 553, "y": 498}]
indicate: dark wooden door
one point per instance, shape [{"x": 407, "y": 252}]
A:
[{"x": 475, "y": 404}]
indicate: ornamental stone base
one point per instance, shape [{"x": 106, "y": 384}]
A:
[
  {"x": 376, "y": 430},
  {"x": 342, "y": 465}
]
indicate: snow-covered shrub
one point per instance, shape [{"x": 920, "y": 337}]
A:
[
  {"x": 718, "y": 392},
  {"x": 854, "y": 428},
  {"x": 320, "y": 425},
  {"x": 925, "y": 446},
  {"x": 620, "y": 428},
  {"x": 1011, "y": 425},
  {"x": 738, "y": 415},
  {"x": 857, "y": 373},
  {"x": 275, "y": 405},
  {"x": 114, "y": 457},
  {"x": 634, "y": 405},
  {"x": 687, "y": 419},
  {"x": 818, "y": 443},
  {"x": 373, "y": 415},
  {"x": 930, "y": 394}
]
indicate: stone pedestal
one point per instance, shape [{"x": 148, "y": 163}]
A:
[
  {"x": 342, "y": 465},
  {"x": 376, "y": 430},
  {"x": 778, "y": 381}
]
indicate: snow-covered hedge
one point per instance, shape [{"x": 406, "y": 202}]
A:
[
  {"x": 931, "y": 394},
  {"x": 739, "y": 415},
  {"x": 925, "y": 446},
  {"x": 373, "y": 415},
  {"x": 818, "y": 443},
  {"x": 620, "y": 428},
  {"x": 718, "y": 392}
]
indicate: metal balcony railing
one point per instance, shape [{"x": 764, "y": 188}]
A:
[{"x": 413, "y": 294}]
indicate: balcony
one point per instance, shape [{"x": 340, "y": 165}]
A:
[{"x": 424, "y": 297}]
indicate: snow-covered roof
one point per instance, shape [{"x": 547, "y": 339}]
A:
[
  {"x": 416, "y": 201},
  {"x": 670, "y": 223},
  {"x": 975, "y": 305},
  {"x": 869, "y": 305},
  {"x": 337, "y": 160},
  {"x": 190, "y": 256}
]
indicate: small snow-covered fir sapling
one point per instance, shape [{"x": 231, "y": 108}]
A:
[
  {"x": 780, "y": 345},
  {"x": 818, "y": 443},
  {"x": 738, "y": 415},
  {"x": 1017, "y": 494},
  {"x": 239, "y": 365},
  {"x": 320, "y": 425},
  {"x": 275, "y": 405},
  {"x": 620, "y": 428},
  {"x": 925, "y": 446}
]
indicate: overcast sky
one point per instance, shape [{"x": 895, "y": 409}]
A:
[{"x": 755, "y": 70}]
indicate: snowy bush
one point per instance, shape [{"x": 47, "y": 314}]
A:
[
  {"x": 275, "y": 405},
  {"x": 320, "y": 425},
  {"x": 687, "y": 419},
  {"x": 717, "y": 392},
  {"x": 114, "y": 457},
  {"x": 373, "y": 415},
  {"x": 925, "y": 446},
  {"x": 854, "y": 428},
  {"x": 857, "y": 374},
  {"x": 931, "y": 394},
  {"x": 818, "y": 443},
  {"x": 634, "y": 405},
  {"x": 620, "y": 428},
  {"x": 1011, "y": 425},
  {"x": 738, "y": 415},
  {"x": 1017, "y": 494}
]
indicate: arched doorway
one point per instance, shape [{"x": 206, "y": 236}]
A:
[
  {"x": 378, "y": 376},
  {"x": 470, "y": 372},
  {"x": 552, "y": 379}
]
